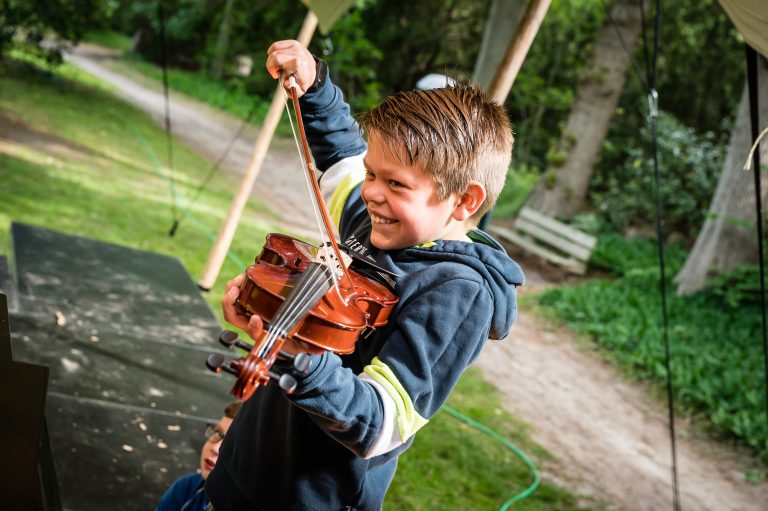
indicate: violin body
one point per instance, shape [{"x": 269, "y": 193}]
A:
[
  {"x": 333, "y": 322},
  {"x": 336, "y": 321}
]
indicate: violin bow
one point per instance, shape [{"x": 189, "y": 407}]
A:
[{"x": 312, "y": 180}]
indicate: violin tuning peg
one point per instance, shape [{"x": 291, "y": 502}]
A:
[
  {"x": 216, "y": 363},
  {"x": 287, "y": 383},
  {"x": 302, "y": 363},
  {"x": 227, "y": 338},
  {"x": 230, "y": 339}
]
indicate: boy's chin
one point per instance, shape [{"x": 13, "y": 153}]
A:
[{"x": 383, "y": 243}]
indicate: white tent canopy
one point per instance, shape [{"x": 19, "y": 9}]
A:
[{"x": 751, "y": 19}]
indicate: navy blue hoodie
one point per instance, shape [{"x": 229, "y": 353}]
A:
[{"x": 334, "y": 443}]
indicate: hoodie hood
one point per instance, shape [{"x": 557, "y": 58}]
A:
[{"x": 489, "y": 262}]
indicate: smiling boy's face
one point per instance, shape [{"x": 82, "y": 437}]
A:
[
  {"x": 403, "y": 204},
  {"x": 210, "y": 451}
]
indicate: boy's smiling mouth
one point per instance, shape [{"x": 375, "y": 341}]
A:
[{"x": 376, "y": 219}]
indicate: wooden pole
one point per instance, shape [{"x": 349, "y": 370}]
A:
[
  {"x": 227, "y": 231},
  {"x": 518, "y": 49}
]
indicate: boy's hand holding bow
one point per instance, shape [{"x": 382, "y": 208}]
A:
[{"x": 291, "y": 58}]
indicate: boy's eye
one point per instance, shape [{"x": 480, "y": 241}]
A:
[
  {"x": 395, "y": 184},
  {"x": 369, "y": 175}
]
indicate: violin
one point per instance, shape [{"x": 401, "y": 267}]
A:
[{"x": 311, "y": 295}]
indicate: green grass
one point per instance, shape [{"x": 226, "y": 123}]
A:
[
  {"x": 93, "y": 170},
  {"x": 453, "y": 465},
  {"x": 716, "y": 353},
  {"x": 109, "y": 39},
  {"x": 84, "y": 162},
  {"x": 228, "y": 95}
]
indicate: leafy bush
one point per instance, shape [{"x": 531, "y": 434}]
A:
[
  {"x": 715, "y": 349},
  {"x": 740, "y": 286},
  {"x": 624, "y": 189},
  {"x": 520, "y": 182},
  {"x": 65, "y": 20},
  {"x": 619, "y": 255}
]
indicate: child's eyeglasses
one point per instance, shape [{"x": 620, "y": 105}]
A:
[{"x": 214, "y": 433}]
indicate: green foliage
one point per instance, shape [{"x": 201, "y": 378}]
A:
[
  {"x": 544, "y": 90},
  {"x": 737, "y": 287},
  {"x": 109, "y": 39},
  {"x": 619, "y": 255},
  {"x": 715, "y": 349},
  {"x": 66, "y": 20},
  {"x": 520, "y": 183},
  {"x": 700, "y": 71},
  {"x": 623, "y": 188},
  {"x": 703, "y": 99},
  {"x": 176, "y": 29},
  {"x": 587, "y": 222},
  {"x": 429, "y": 36},
  {"x": 353, "y": 59},
  {"x": 555, "y": 157}
]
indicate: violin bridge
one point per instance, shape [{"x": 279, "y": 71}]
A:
[{"x": 326, "y": 255}]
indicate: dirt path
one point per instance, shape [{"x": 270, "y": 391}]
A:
[
  {"x": 209, "y": 132},
  {"x": 609, "y": 438}
]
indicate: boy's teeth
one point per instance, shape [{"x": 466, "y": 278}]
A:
[{"x": 380, "y": 220}]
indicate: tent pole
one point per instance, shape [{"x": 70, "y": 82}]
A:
[
  {"x": 518, "y": 49},
  {"x": 227, "y": 231}
]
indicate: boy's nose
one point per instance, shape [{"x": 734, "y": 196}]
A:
[{"x": 371, "y": 192}]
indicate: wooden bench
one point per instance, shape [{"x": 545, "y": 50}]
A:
[{"x": 550, "y": 239}]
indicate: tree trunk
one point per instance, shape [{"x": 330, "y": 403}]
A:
[
  {"x": 728, "y": 237},
  {"x": 503, "y": 18},
  {"x": 217, "y": 65},
  {"x": 563, "y": 187}
]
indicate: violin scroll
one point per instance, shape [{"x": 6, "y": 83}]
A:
[{"x": 283, "y": 371}]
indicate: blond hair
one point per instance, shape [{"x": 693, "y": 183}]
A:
[{"x": 456, "y": 134}]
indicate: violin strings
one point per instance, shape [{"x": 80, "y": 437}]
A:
[
  {"x": 288, "y": 318},
  {"x": 315, "y": 205}
]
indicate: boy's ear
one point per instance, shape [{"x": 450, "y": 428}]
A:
[{"x": 469, "y": 201}]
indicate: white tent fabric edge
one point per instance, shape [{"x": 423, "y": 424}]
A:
[{"x": 751, "y": 20}]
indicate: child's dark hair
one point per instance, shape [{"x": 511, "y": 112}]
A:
[
  {"x": 456, "y": 134},
  {"x": 232, "y": 409}
]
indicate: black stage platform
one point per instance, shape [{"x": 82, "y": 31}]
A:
[{"x": 124, "y": 334}]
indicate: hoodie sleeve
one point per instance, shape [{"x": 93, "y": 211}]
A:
[
  {"x": 333, "y": 134},
  {"x": 433, "y": 338}
]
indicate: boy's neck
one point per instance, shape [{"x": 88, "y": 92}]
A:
[{"x": 458, "y": 232}]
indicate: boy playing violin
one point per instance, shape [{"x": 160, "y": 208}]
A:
[{"x": 408, "y": 200}]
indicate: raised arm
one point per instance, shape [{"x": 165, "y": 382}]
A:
[{"x": 332, "y": 132}]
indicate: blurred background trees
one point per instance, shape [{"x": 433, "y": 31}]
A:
[{"x": 378, "y": 48}]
